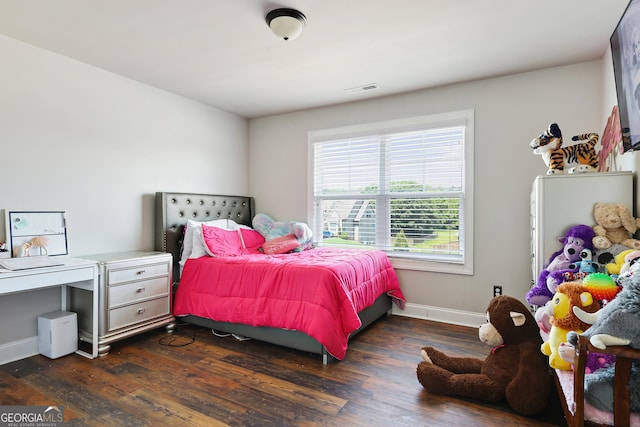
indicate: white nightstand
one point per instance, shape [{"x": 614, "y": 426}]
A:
[{"x": 134, "y": 296}]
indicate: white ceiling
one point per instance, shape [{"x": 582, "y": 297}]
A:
[{"x": 222, "y": 53}]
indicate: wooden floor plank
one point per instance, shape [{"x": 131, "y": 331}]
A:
[{"x": 198, "y": 379}]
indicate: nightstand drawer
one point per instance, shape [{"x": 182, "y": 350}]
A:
[
  {"x": 137, "y": 291},
  {"x": 137, "y": 273},
  {"x": 135, "y": 313}
]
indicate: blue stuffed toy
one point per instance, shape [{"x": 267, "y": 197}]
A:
[{"x": 270, "y": 229}]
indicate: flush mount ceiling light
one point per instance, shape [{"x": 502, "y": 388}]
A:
[{"x": 286, "y": 23}]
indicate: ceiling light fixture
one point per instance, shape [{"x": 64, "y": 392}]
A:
[{"x": 286, "y": 23}]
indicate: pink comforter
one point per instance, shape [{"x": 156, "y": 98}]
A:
[{"x": 318, "y": 291}]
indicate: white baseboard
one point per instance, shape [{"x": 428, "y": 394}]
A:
[
  {"x": 16, "y": 350},
  {"x": 444, "y": 315}
]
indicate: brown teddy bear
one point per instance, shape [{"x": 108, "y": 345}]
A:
[
  {"x": 615, "y": 224},
  {"x": 515, "y": 369}
]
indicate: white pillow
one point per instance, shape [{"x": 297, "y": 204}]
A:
[{"x": 193, "y": 245}]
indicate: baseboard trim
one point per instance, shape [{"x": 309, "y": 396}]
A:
[
  {"x": 16, "y": 350},
  {"x": 444, "y": 315}
]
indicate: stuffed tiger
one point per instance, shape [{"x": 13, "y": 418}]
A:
[{"x": 549, "y": 146}]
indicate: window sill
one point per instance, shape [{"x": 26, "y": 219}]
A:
[{"x": 436, "y": 267}]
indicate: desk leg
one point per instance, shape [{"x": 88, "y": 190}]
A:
[{"x": 94, "y": 316}]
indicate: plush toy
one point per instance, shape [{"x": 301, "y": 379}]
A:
[
  {"x": 549, "y": 145},
  {"x": 563, "y": 320},
  {"x": 615, "y": 224},
  {"x": 271, "y": 229},
  {"x": 576, "y": 239},
  {"x": 601, "y": 286},
  {"x": 618, "y": 322},
  {"x": 576, "y": 272},
  {"x": 604, "y": 256},
  {"x": 598, "y": 388},
  {"x": 586, "y": 264},
  {"x": 629, "y": 259},
  {"x": 595, "y": 361},
  {"x": 614, "y": 267},
  {"x": 512, "y": 370}
]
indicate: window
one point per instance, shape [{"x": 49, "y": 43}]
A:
[{"x": 402, "y": 186}]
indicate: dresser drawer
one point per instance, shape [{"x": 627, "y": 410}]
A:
[
  {"x": 139, "y": 312},
  {"x": 138, "y": 272},
  {"x": 137, "y": 291}
]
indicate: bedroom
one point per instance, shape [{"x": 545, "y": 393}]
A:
[{"x": 99, "y": 145}]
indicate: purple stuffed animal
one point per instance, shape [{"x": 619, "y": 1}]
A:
[{"x": 576, "y": 239}]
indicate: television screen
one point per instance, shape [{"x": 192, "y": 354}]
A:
[{"x": 625, "y": 51}]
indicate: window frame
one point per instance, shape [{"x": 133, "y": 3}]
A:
[{"x": 455, "y": 118}]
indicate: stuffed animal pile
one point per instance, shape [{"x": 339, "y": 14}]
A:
[
  {"x": 617, "y": 323},
  {"x": 513, "y": 370},
  {"x": 577, "y": 238}
]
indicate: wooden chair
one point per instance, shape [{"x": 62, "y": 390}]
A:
[{"x": 624, "y": 356}]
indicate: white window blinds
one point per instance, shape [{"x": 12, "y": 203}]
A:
[{"x": 401, "y": 191}]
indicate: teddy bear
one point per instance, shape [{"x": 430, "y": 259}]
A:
[
  {"x": 563, "y": 320},
  {"x": 614, "y": 224},
  {"x": 510, "y": 372},
  {"x": 618, "y": 322},
  {"x": 576, "y": 239}
]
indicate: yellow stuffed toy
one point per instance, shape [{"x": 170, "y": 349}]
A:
[
  {"x": 563, "y": 320},
  {"x": 618, "y": 261}
]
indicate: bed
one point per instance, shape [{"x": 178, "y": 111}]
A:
[{"x": 351, "y": 295}]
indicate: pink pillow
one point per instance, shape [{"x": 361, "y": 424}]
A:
[
  {"x": 281, "y": 245},
  {"x": 251, "y": 238},
  {"x": 219, "y": 241}
]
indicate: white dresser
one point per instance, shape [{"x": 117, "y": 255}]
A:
[{"x": 134, "y": 296}]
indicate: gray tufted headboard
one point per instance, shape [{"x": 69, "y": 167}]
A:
[{"x": 174, "y": 209}]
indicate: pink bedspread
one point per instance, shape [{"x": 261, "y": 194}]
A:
[{"x": 318, "y": 292}]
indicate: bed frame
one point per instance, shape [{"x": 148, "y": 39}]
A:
[{"x": 172, "y": 212}]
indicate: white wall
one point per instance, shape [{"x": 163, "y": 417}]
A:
[
  {"x": 509, "y": 112},
  {"x": 97, "y": 145},
  {"x": 81, "y": 139}
]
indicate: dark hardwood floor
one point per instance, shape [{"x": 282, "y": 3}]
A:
[{"x": 159, "y": 380}]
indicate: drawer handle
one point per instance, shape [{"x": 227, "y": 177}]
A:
[
  {"x": 140, "y": 310},
  {"x": 140, "y": 290},
  {"x": 140, "y": 272}
]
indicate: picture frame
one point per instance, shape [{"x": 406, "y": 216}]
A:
[
  {"x": 625, "y": 53},
  {"x": 33, "y": 233}
]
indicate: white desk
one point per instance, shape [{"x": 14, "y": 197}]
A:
[{"x": 75, "y": 273}]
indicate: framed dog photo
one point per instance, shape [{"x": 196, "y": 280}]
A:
[{"x": 33, "y": 233}]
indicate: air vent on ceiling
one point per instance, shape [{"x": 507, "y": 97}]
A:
[{"x": 363, "y": 88}]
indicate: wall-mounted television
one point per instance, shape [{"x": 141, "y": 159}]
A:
[{"x": 625, "y": 51}]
